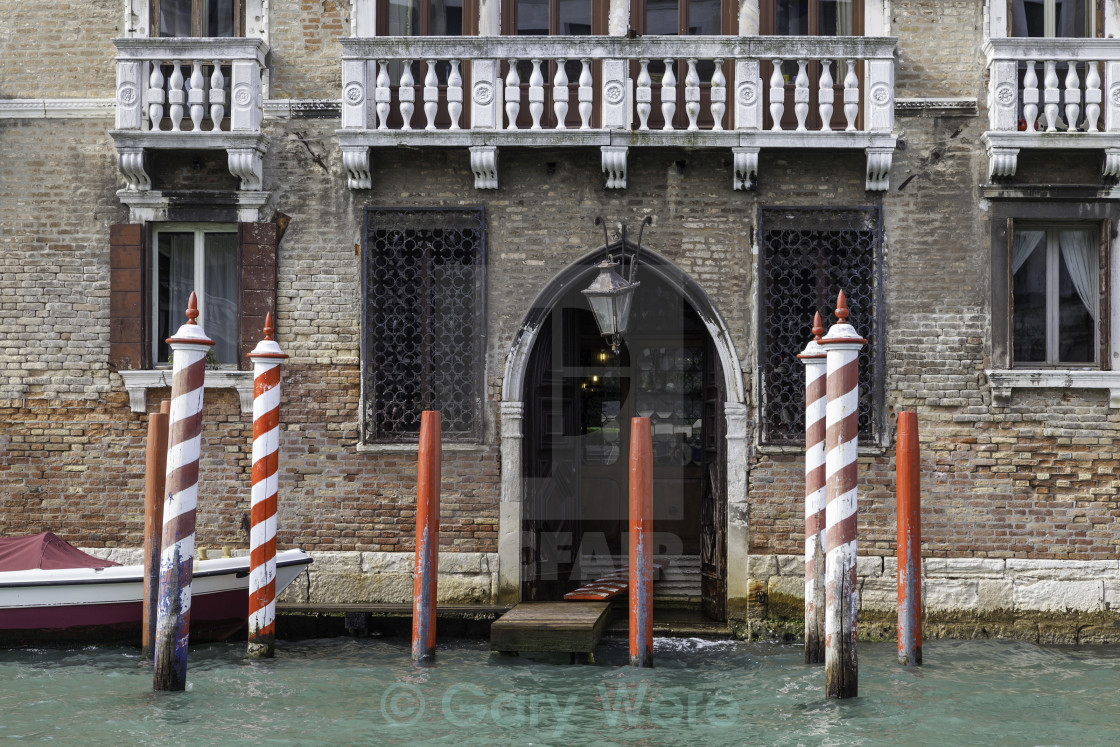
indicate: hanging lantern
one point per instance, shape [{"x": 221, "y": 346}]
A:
[{"x": 610, "y": 295}]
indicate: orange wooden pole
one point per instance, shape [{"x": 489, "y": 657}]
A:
[
  {"x": 427, "y": 538},
  {"x": 155, "y": 466},
  {"x": 909, "y": 548},
  {"x": 641, "y": 543}
]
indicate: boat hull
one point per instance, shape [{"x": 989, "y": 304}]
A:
[{"x": 106, "y": 603}]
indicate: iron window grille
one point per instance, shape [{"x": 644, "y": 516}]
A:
[
  {"x": 806, "y": 256},
  {"x": 424, "y": 320}
]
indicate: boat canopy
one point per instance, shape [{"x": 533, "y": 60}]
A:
[{"x": 44, "y": 551}]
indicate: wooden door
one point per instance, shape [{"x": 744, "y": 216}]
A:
[
  {"x": 713, "y": 512},
  {"x": 551, "y": 523}
]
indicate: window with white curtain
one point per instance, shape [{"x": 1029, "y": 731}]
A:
[
  {"x": 1053, "y": 18},
  {"x": 1056, "y": 294},
  {"x": 200, "y": 258}
]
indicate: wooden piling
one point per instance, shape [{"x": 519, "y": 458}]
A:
[
  {"x": 190, "y": 346},
  {"x": 909, "y": 548},
  {"x": 267, "y": 358},
  {"x": 842, "y": 346},
  {"x": 816, "y": 368},
  {"x": 641, "y": 543},
  {"x": 425, "y": 576},
  {"x": 155, "y": 465}
]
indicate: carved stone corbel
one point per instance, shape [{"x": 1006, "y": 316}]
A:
[
  {"x": 1002, "y": 162},
  {"x": 355, "y": 159},
  {"x": 879, "y": 169},
  {"x": 131, "y": 163},
  {"x": 614, "y": 165},
  {"x": 1111, "y": 163},
  {"x": 746, "y": 168},
  {"x": 484, "y": 164},
  {"x": 247, "y": 164}
]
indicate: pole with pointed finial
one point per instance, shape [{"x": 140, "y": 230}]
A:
[
  {"x": 814, "y": 359},
  {"x": 842, "y": 345},
  {"x": 267, "y": 358},
  {"x": 189, "y": 346}
]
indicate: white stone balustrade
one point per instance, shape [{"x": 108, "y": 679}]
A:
[
  {"x": 190, "y": 93},
  {"x": 1052, "y": 93},
  {"x": 604, "y": 91}
]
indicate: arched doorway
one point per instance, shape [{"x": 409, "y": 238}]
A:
[{"x": 579, "y": 397}]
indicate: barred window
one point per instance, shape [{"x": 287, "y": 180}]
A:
[
  {"x": 807, "y": 256},
  {"x": 422, "y": 342}
]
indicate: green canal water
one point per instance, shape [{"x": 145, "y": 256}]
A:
[{"x": 367, "y": 691}]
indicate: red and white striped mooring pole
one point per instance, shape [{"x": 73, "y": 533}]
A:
[
  {"x": 189, "y": 346},
  {"x": 842, "y": 345},
  {"x": 267, "y": 358},
  {"x": 908, "y": 485},
  {"x": 426, "y": 574},
  {"x": 641, "y": 543},
  {"x": 816, "y": 369}
]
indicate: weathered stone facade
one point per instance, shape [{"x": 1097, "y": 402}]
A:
[{"x": 1021, "y": 497}]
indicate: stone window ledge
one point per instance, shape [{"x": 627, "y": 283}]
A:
[
  {"x": 413, "y": 447},
  {"x": 137, "y": 384},
  {"x": 1003, "y": 381}
]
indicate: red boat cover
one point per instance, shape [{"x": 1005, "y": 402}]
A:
[{"x": 44, "y": 551}]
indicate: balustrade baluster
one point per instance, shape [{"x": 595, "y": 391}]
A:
[
  {"x": 513, "y": 95},
  {"x": 407, "y": 95},
  {"x": 156, "y": 96},
  {"x": 196, "y": 96},
  {"x": 1092, "y": 96},
  {"x": 586, "y": 94},
  {"x": 431, "y": 95},
  {"x": 668, "y": 95},
  {"x": 454, "y": 94},
  {"x": 851, "y": 96},
  {"x": 176, "y": 96},
  {"x": 692, "y": 94},
  {"x": 217, "y": 96},
  {"x": 1073, "y": 96},
  {"x": 560, "y": 94},
  {"x": 536, "y": 94},
  {"x": 1030, "y": 97},
  {"x": 826, "y": 96},
  {"x": 801, "y": 94},
  {"x": 1050, "y": 95},
  {"x": 383, "y": 94},
  {"x": 777, "y": 96},
  {"x": 719, "y": 95},
  {"x": 644, "y": 95}
]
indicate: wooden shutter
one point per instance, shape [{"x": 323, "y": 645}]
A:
[
  {"x": 128, "y": 322},
  {"x": 1104, "y": 320},
  {"x": 257, "y": 270}
]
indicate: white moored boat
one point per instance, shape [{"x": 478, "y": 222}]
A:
[{"x": 69, "y": 595}]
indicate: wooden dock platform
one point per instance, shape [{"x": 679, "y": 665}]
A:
[{"x": 566, "y": 627}]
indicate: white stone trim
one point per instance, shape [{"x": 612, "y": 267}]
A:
[
  {"x": 1003, "y": 382},
  {"x": 386, "y": 578},
  {"x": 970, "y": 585},
  {"x": 138, "y": 382},
  {"x": 412, "y": 447}
]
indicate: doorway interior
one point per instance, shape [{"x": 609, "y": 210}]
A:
[{"x": 579, "y": 399}]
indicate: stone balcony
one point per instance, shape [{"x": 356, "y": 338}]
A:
[
  {"x": 1052, "y": 94},
  {"x": 189, "y": 94},
  {"x": 742, "y": 93}
]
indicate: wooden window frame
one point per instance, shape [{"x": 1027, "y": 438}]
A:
[
  {"x": 196, "y": 18},
  {"x": 1101, "y": 341},
  {"x": 1097, "y": 15},
  {"x": 470, "y": 18},
  {"x": 1004, "y": 214},
  {"x": 768, "y": 17},
  {"x": 131, "y": 292},
  {"x": 600, "y": 10}
]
